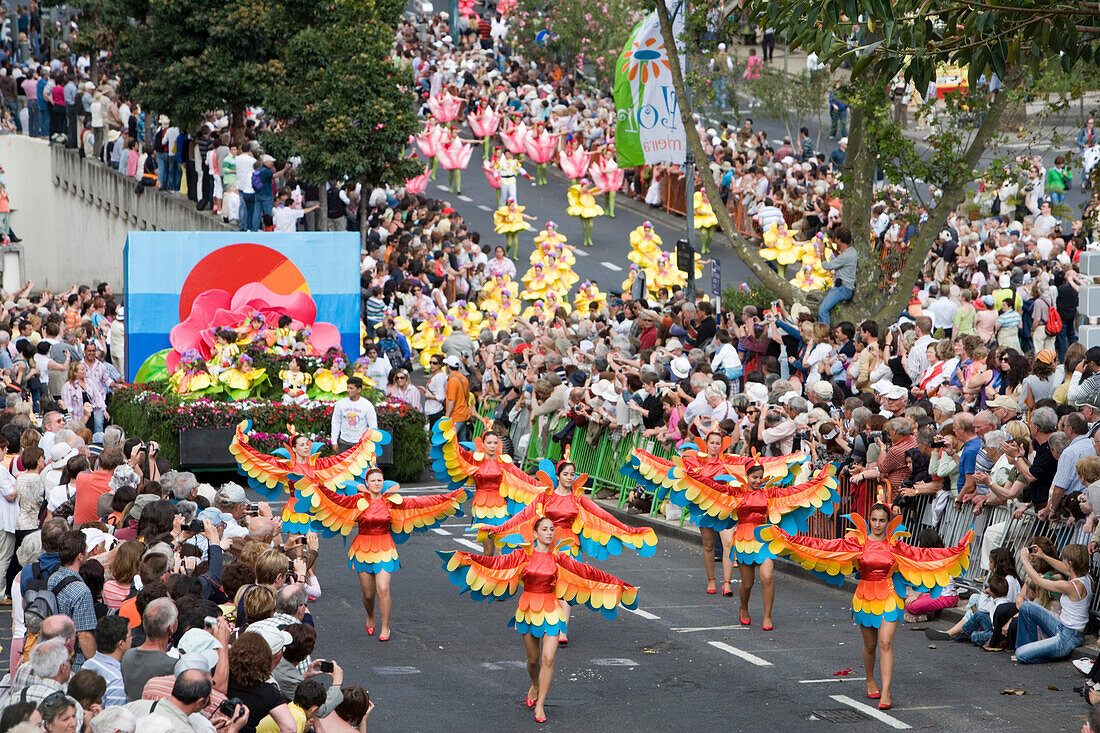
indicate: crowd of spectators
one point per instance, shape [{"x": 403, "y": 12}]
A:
[{"x": 140, "y": 598}]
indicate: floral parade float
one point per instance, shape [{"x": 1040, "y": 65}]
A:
[{"x": 262, "y": 356}]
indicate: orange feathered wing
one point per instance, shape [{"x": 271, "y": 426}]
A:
[
  {"x": 791, "y": 506},
  {"x": 487, "y": 578},
  {"x": 335, "y": 471},
  {"x": 420, "y": 513},
  {"x": 518, "y": 486},
  {"x": 710, "y": 503},
  {"x": 928, "y": 568},
  {"x": 600, "y": 591},
  {"x": 602, "y": 535},
  {"x": 267, "y": 474},
  {"x": 830, "y": 559},
  {"x": 335, "y": 512}
]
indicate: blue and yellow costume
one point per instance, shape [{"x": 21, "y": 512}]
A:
[
  {"x": 381, "y": 524},
  {"x": 273, "y": 474},
  {"x": 547, "y": 578},
  {"x": 885, "y": 566}
]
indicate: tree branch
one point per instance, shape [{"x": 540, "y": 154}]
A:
[
  {"x": 953, "y": 194},
  {"x": 741, "y": 246}
]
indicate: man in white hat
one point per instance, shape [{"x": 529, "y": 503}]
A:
[{"x": 894, "y": 401}]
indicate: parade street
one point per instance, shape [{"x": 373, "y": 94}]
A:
[
  {"x": 453, "y": 664},
  {"x": 606, "y": 262}
]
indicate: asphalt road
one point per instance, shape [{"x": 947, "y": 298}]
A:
[
  {"x": 680, "y": 662},
  {"x": 606, "y": 261}
]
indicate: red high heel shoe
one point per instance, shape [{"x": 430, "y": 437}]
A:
[
  {"x": 529, "y": 701},
  {"x": 540, "y": 718},
  {"x": 711, "y": 591},
  {"x": 766, "y": 627},
  {"x": 370, "y": 630},
  {"x": 744, "y": 621},
  {"x": 384, "y": 637},
  {"x": 874, "y": 695},
  {"x": 726, "y": 590},
  {"x": 884, "y": 706}
]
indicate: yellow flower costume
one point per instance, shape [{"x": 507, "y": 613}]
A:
[
  {"x": 538, "y": 282},
  {"x": 587, "y": 294},
  {"x": 645, "y": 246},
  {"x": 582, "y": 204},
  {"x": 224, "y": 357},
  {"x": 187, "y": 382},
  {"x": 331, "y": 382},
  {"x": 537, "y": 310},
  {"x": 429, "y": 338},
  {"x": 509, "y": 221},
  {"x": 549, "y": 236},
  {"x": 241, "y": 378},
  {"x": 468, "y": 315},
  {"x": 705, "y": 220}
]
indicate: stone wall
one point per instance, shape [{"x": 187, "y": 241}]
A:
[{"x": 73, "y": 215}]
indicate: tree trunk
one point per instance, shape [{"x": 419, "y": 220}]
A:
[
  {"x": 953, "y": 195},
  {"x": 744, "y": 248},
  {"x": 322, "y": 213}
]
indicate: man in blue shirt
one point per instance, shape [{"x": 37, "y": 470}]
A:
[
  {"x": 43, "y": 108},
  {"x": 52, "y": 532},
  {"x": 1066, "y": 482},
  {"x": 971, "y": 444}
]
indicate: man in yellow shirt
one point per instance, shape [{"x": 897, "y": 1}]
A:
[{"x": 309, "y": 696}]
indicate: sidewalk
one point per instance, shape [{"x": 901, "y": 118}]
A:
[{"x": 689, "y": 533}]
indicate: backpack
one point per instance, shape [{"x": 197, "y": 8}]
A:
[
  {"x": 40, "y": 601},
  {"x": 257, "y": 182},
  {"x": 1054, "y": 322}
]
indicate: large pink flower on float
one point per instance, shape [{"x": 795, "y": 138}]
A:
[
  {"x": 214, "y": 309},
  {"x": 444, "y": 107},
  {"x": 574, "y": 164},
  {"x": 606, "y": 174},
  {"x": 506, "y": 6},
  {"x": 485, "y": 122},
  {"x": 428, "y": 140},
  {"x": 540, "y": 146},
  {"x": 513, "y": 136},
  {"x": 454, "y": 154},
  {"x": 419, "y": 183}
]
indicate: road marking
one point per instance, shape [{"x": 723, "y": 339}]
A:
[
  {"x": 483, "y": 207},
  {"x": 396, "y": 670},
  {"x": 643, "y": 614},
  {"x": 580, "y": 253},
  {"x": 612, "y": 266},
  {"x": 614, "y": 663},
  {"x": 441, "y": 187},
  {"x": 751, "y": 658},
  {"x": 875, "y": 713},
  {"x": 456, "y": 524},
  {"x": 467, "y": 543},
  {"x": 463, "y": 197},
  {"x": 689, "y": 629},
  {"x": 498, "y": 666},
  {"x": 443, "y": 532},
  {"x": 830, "y": 679}
]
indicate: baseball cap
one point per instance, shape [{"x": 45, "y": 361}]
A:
[
  {"x": 1006, "y": 402},
  {"x": 230, "y": 494},
  {"x": 787, "y": 397},
  {"x": 824, "y": 390},
  {"x": 277, "y": 639},
  {"x": 895, "y": 393},
  {"x": 206, "y": 661},
  {"x": 944, "y": 405},
  {"x": 196, "y": 641},
  {"x": 452, "y": 362},
  {"x": 1047, "y": 356}
]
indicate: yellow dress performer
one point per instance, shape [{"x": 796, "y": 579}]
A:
[
  {"x": 582, "y": 204},
  {"x": 428, "y": 339},
  {"x": 538, "y": 282},
  {"x": 240, "y": 378},
  {"x": 645, "y": 246},
  {"x": 509, "y": 220},
  {"x": 468, "y": 316},
  {"x": 548, "y": 237},
  {"x": 560, "y": 273},
  {"x": 705, "y": 221},
  {"x": 587, "y": 294}
]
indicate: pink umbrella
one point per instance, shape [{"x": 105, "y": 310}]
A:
[
  {"x": 606, "y": 174},
  {"x": 484, "y": 123},
  {"x": 428, "y": 141},
  {"x": 419, "y": 183},
  {"x": 514, "y": 136},
  {"x": 455, "y": 154},
  {"x": 540, "y": 146},
  {"x": 444, "y": 107},
  {"x": 574, "y": 164}
]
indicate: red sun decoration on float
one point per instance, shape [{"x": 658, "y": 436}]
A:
[{"x": 231, "y": 267}]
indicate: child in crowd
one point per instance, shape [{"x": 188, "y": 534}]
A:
[{"x": 231, "y": 204}]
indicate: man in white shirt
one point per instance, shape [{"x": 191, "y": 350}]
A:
[
  {"x": 245, "y": 163},
  {"x": 769, "y": 214},
  {"x": 1044, "y": 222},
  {"x": 9, "y": 513},
  {"x": 918, "y": 355},
  {"x": 941, "y": 307},
  {"x": 352, "y": 416}
]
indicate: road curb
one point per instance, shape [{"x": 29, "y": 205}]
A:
[{"x": 785, "y": 565}]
